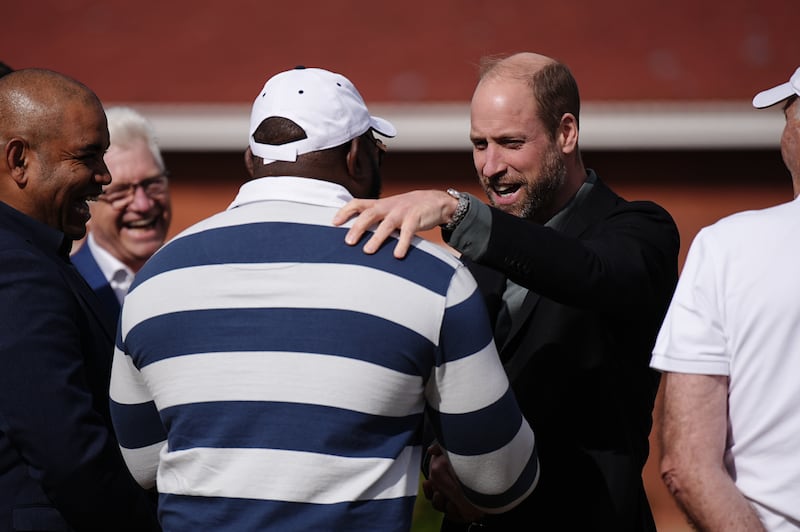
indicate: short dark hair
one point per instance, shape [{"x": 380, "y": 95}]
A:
[
  {"x": 277, "y": 130},
  {"x": 554, "y": 89},
  {"x": 556, "y": 93}
]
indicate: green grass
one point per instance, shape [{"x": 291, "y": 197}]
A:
[{"x": 426, "y": 519}]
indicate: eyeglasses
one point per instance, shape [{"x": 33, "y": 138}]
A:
[{"x": 120, "y": 196}]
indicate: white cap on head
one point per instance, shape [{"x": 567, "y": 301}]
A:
[
  {"x": 326, "y": 105},
  {"x": 779, "y": 93}
]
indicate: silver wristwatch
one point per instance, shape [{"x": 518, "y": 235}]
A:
[{"x": 461, "y": 209}]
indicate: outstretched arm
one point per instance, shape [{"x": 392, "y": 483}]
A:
[{"x": 410, "y": 213}]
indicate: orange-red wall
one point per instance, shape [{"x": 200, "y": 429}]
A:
[{"x": 415, "y": 50}]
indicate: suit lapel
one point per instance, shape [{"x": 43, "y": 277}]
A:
[
  {"x": 599, "y": 201},
  {"x": 78, "y": 280},
  {"x": 525, "y": 312},
  {"x": 86, "y": 264}
]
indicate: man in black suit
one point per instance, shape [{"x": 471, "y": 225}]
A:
[
  {"x": 577, "y": 279},
  {"x": 60, "y": 465}
]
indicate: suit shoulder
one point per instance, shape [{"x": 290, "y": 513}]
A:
[{"x": 647, "y": 209}]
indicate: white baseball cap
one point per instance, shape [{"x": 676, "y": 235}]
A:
[
  {"x": 779, "y": 93},
  {"x": 326, "y": 105}
]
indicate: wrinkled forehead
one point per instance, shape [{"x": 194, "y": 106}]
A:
[{"x": 132, "y": 162}]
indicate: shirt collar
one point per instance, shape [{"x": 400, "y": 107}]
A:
[
  {"x": 297, "y": 189},
  {"x": 560, "y": 219},
  {"x": 107, "y": 262}
]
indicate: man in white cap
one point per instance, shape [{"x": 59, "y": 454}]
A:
[
  {"x": 730, "y": 352},
  {"x": 271, "y": 377}
]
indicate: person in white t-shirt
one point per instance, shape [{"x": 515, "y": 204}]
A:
[
  {"x": 729, "y": 348},
  {"x": 131, "y": 218}
]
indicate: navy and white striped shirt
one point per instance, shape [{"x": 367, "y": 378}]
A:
[{"x": 269, "y": 376}]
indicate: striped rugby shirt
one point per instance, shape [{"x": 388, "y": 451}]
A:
[{"x": 267, "y": 376}]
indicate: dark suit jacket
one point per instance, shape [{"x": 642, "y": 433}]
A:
[
  {"x": 60, "y": 465},
  {"x": 87, "y": 265},
  {"x": 578, "y": 359}
]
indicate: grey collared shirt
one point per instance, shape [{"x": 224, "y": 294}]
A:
[{"x": 471, "y": 238}]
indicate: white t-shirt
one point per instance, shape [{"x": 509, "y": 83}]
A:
[{"x": 736, "y": 312}]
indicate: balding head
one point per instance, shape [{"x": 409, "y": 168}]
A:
[
  {"x": 520, "y": 65},
  {"x": 33, "y": 101},
  {"x": 551, "y": 84},
  {"x": 53, "y": 135}
]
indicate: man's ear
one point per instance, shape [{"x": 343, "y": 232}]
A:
[
  {"x": 353, "y": 164},
  {"x": 15, "y": 154},
  {"x": 248, "y": 161},
  {"x": 567, "y": 135}
]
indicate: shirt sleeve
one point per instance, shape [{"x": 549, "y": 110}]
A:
[
  {"x": 474, "y": 413},
  {"x": 692, "y": 337},
  {"x": 471, "y": 236},
  {"x": 136, "y": 420}
]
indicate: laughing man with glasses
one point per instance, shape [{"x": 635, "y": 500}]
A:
[{"x": 131, "y": 218}]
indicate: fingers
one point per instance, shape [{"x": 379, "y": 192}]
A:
[
  {"x": 379, "y": 236},
  {"x": 439, "y": 469},
  {"x": 352, "y": 208},
  {"x": 371, "y": 212},
  {"x": 367, "y": 215},
  {"x": 435, "y": 450},
  {"x": 428, "y": 489},
  {"x": 409, "y": 213},
  {"x": 439, "y": 501}
]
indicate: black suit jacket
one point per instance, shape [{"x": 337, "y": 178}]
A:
[
  {"x": 60, "y": 464},
  {"x": 578, "y": 355}
]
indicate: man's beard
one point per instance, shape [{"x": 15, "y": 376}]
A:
[{"x": 541, "y": 193}]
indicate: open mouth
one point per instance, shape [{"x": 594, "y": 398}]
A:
[
  {"x": 505, "y": 190},
  {"x": 145, "y": 223}
]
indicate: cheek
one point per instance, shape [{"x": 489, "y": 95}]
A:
[
  {"x": 789, "y": 138},
  {"x": 789, "y": 147},
  {"x": 478, "y": 159}
]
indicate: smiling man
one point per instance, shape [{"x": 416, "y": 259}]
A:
[
  {"x": 577, "y": 280},
  {"x": 60, "y": 466},
  {"x": 131, "y": 219}
]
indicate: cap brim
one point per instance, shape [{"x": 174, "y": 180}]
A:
[
  {"x": 382, "y": 126},
  {"x": 772, "y": 96}
]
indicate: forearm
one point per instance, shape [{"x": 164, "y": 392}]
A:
[
  {"x": 710, "y": 499},
  {"x": 694, "y": 437}
]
